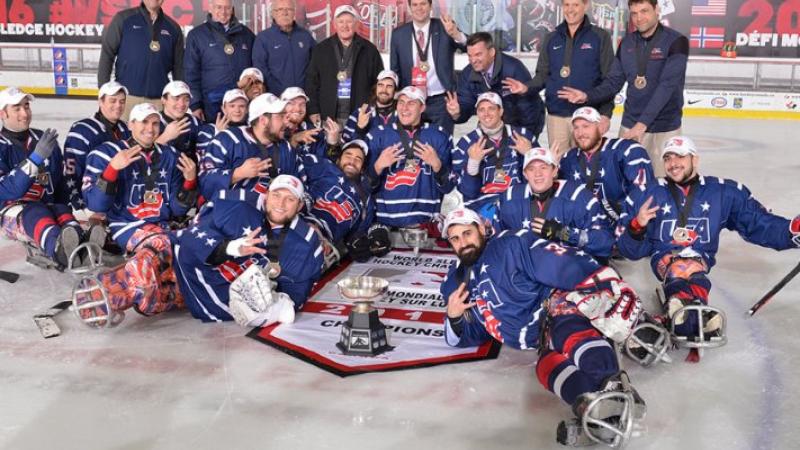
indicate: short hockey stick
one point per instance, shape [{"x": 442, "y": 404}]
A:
[
  {"x": 11, "y": 277},
  {"x": 768, "y": 296}
]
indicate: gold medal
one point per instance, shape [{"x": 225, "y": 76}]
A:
[
  {"x": 229, "y": 49},
  {"x": 680, "y": 235},
  {"x": 411, "y": 165},
  {"x": 149, "y": 197},
  {"x": 500, "y": 176},
  {"x": 155, "y": 46},
  {"x": 274, "y": 270},
  {"x": 342, "y": 75},
  {"x": 424, "y": 66},
  {"x": 640, "y": 82},
  {"x": 43, "y": 178},
  {"x": 565, "y": 72}
]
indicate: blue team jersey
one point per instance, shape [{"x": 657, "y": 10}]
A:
[
  {"x": 717, "y": 204},
  {"x": 351, "y": 130},
  {"x": 205, "y": 287},
  {"x": 623, "y": 166},
  {"x": 16, "y": 185},
  {"x": 340, "y": 206},
  {"x": 410, "y": 194},
  {"x": 513, "y": 276},
  {"x": 492, "y": 179},
  {"x": 230, "y": 149},
  {"x": 84, "y": 136},
  {"x": 129, "y": 208},
  {"x": 571, "y": 204}
]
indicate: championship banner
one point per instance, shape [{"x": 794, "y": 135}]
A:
[{"x": 413, "y": 313}]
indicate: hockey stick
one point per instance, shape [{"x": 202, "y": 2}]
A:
[
  {"x": 11, "y": 277},
  {"x": 768, "y": 296},
  {"x": 46, "y": 322}
]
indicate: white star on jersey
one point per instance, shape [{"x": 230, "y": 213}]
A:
[
  {"x": 163, "y": 173},
  {"x": 210, "y": 242},
  {"x": 666, "y": 208},
  {"x": 246, "y": 230},
  {"x": 705, "y": 206},
  {"x": 526, "y": 224},
  {"x": 576, "y": 175},
  {"x": 135, "y": 174},
  {"x": 483, "y": 270}
]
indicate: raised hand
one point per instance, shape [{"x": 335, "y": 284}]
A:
[
  {"x": 450, "y": 27},
  {"x": 47, "y": 143},
  {"x": 646, "y": 213},
  {"x": 332, "y": 131},
  {"x": 126, "y": 157},
  {"x": 389, "y": 156},
  {"x": 477, "y": 150},
  {"x": 572, "y": 95},
  {"x": 363, "y": 116},
  {"x": 521, "y": 144},
  {"x": 453, "y": 108},
  {"x": 304, "y": 137},
  {"x": 458, "y": 302},
  {"x": 427, "y": 154},
  {"x": 251, "y": 168},
  {"x": 187, "y": 166},
  {"x": 222, "y": 122},
  {"x": 247, "y": 245},
  {"x": 515, "y": 86},
  {"x": 173, "y": 130}
]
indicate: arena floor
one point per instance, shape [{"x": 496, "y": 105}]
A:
[{"x": 173, "y": 382}]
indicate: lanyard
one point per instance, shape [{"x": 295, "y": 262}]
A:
[
  {"x": 343, "y": 60},
  {"x": 148, "y": 165},
  {"x": 538, "y": 208},
  {"x": 643, "y": 56},
  {"x": 683, "y": 215},
  {"x": 274, "y": 246},
  {"x": 408, "y": 145},
  {"x": 227, "y": 47},
  {"x": 500, "y": 149},
  {"x": 595, "y": 166},
  {"x": 423, "y": 54}
]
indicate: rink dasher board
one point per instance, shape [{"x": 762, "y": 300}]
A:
[{"x": 413, "y": 313}]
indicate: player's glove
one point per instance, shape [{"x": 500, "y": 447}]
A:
[
  {"x": 359, "y": 248},
  {"x": 379, "y": 241},
  {"x": 44, "y": 148},
  {"x": 554, "y": 231},
  {"x": 794, "y": 227}
]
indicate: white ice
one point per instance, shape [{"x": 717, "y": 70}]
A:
[{"x": 173, "y": 382}]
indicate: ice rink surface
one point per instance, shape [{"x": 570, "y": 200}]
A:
[{"x": 172, "y": 382}]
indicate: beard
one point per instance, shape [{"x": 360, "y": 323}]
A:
[{"x": 469, "y": 254}]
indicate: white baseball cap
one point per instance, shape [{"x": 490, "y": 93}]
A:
[
  {"x": 142, "y": 111},
  {"x": 357, "y": 143},
  {"x": 232, "y": 95},
  {"x": 490, "y": 97},
  {"x": 292, "y": 93},
  {"x": 289, "y": 182},
  {"x": 253, "y": 72},
  {"x": 586, "y": 113},
  {"x": 345, "y": 9},
  {"x": 460, "y": 216},
  {"x": 13, "y": 96},
  {"x": 176, "y": 88},
  {"x": 386, "y": 73},
  {"x": 265, "y": 104},
  {"x": 412, "y": 92},
  {"x": 539, "y": 154},
  {"x": 680, "y": 145},
  {"x": 111, "y": 88}
]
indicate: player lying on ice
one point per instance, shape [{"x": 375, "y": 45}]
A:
[
  {"x": 677, "y": 222},
  {"x": 34, "y": 194},
  {"x": 530, "y": 293},
  {"x": 235, "y": 263}
]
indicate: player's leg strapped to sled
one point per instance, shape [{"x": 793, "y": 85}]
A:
[
  {"x": 145, "y": 282},
  {"x": 580, "y": 365},
  {"x": 51, "y": 235},
  {"x": 688, "y": 320}
]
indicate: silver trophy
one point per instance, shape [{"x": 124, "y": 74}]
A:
[
  {"x": 415, "y": 238},
  {"x": 363, "y": 333}
]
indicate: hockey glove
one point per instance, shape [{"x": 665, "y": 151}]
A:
[
  {"x": 794, "y": 227},
  {"x": 554, "y": 231},
  {"x": 359, "y": 248},
  {"x": 614, "y": 313},
  {"x": 379, "y": 241},
  {"x": 44, "y": 148}
]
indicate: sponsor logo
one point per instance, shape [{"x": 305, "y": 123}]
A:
[
  {"x": 692, "y": 102},
  {"x": 719, "y": 102},
  {"x": 738, "y": 102},
  {"x": 586, "y": 46},
  {"x": 619, "y": 99}
]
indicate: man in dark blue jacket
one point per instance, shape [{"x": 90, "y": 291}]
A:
[
  {"x": 216, "y": 54},
  {"x": 652, "y": 60},
  {"x": 576, "y": 54},
  {"x": 422, "y": 54},
  {"x": 486, "y": 70},
  {"x": 283, "y": 51},
  {"x": 144, "y": 46}
]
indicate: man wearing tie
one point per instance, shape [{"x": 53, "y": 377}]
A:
[{"x": 422, "y": 54}]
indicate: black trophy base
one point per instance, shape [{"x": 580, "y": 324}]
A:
[{"x": 363, "y": 335}]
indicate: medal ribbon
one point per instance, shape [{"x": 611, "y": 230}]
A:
[{"x": 643, "y": 56}]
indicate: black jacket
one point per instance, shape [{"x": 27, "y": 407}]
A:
[{"x": 321, "y": 82}]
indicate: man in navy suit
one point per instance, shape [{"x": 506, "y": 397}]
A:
[{"x": 422, "y": 55}]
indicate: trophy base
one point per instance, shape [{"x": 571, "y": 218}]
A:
[{"x": 373, "y": 352}]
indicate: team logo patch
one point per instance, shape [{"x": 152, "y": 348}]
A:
[{"x": 403, "y": 177}]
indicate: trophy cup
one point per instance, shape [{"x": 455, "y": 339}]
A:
[
  {"x": 363, "y": 334},
  {"x": 415, "y": 238}
]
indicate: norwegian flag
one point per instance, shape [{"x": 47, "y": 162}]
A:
[
  {"x": 147, "y": 210},
  {"x": 495, "y": 187},
  {"x": 709, "y": 7},
  {"x": 340, "y": 211},
  {"x": 707, "y": 37},
  {"x": 402, "y": 178}
]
